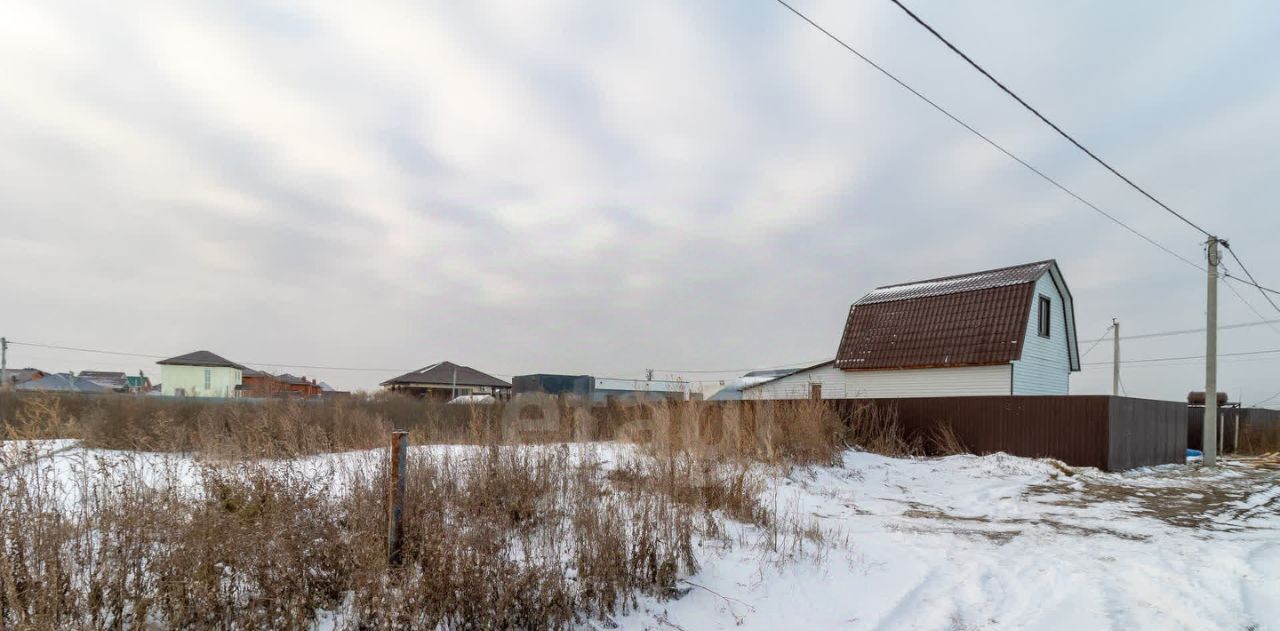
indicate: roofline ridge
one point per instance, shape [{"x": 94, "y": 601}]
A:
[{"x": 954, "y": 276}]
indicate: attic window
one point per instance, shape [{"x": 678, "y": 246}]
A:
[{"x": 1042, "y": 316}]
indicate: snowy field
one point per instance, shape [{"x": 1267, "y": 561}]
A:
[
  {"x": 965, "y": 542},
  {"x": 999, "y": 542}
]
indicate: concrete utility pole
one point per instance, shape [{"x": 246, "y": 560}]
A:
[
  {"x": 1115, "y": 357},
  {"x": 4, "y": 363},
  {"x": 1211, "y": 359}
]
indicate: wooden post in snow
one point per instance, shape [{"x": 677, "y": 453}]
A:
[{"x": 395, "y": 497}]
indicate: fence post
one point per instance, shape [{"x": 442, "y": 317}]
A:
[{"x": 395, "y": 497}]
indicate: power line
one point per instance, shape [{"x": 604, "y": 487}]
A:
[
  {"x": 279, "y": 365},
  {"x": 86, "y": 350},
  {"x": 255, "y": 363},
  {"x": 1046, "y": 121},
  {"x": 1255, "y": 285},
  {"x": 1104, "y": 337},
  {"x": 1099, "y": 340},
  {"x": 800, "y": 364},
  {"x": 1252, "y": 280},
  {"x": 1266, "y": 400},
  {"x": 1249, "y": 305},
  {"x": 1191, "y": 362},
  {"x": 1199, "y": 330},
  {"x": 985, "y": 138},
  {"x": 1165, "y": 359}
]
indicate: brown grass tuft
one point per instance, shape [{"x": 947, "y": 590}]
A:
[
  {"x": 255, "y": 533},
  {"x": 877, "y": 430},
  {"x": 943, "y": 441}
]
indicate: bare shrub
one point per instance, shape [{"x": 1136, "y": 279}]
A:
[
  {"x": 876, "y": 429},
  {"x": 256, "y": 534},
  {"x": 496, "y": 537},
  {"x": 791, "y": 432},
  {"x": 702, "y": 484},
  {"x": 41, "y": 416},
  {"x": 943, "y": 440}
]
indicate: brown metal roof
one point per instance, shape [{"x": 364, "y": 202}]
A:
[
  {"x": 447, "y": 373},
  {"x": 1001, "y": 277},
  {"x": 966, "y": 320}
]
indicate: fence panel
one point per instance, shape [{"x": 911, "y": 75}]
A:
[
  {"x": 1144, "y": 432},
  {"x": 1097, "y": 431}
]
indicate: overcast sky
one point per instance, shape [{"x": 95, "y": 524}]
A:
[{"x": 606, "y": 186}]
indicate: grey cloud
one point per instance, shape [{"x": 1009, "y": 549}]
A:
[{"x": 606, "y": 187}]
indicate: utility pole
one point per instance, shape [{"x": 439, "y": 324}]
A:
[
  {"x": 1115, "y": 357},
  {"x": 1211, "y": 359},
  {"x": 4, "y": 363}
]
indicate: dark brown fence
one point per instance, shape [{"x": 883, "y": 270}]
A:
[{"x": 1111, "y": 433}]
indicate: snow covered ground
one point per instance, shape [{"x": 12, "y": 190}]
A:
[
  {"x": 993, "y": 542},
  {"x": 999, "y": 542}
]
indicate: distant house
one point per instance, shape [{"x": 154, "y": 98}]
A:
[
  {"x": 299, "y": 386},
  {"x": 261, "y": 384},
  {"x": 445, "y": 380},
  {"x": 140, "y": 383},
  {"x": 602, "y": 389},
  {"x": 118, "y": 381},
  {"x": 642, "y": 389},
  {"x": 258, "y": 383},
  {"x": 1007, "y": 331},
  {"x": 115, "y": 381},
  {"x": 732, "y": 390},
  {"x": 200, "y": 374},
  {"x": 14, "y": 377},
  {"x": 580, "y": 386},
  {"x": 329, "y": 392},
  {"x": 61, "y": 382}
]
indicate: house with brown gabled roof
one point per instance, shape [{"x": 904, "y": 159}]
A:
[
  {"x": 444, "y": 381},
  {"x": 1006, "y": 331}
]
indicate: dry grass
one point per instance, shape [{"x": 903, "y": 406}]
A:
[
  {"x": 496, "y": 537},
  {"x": 801, "y": 432},
  {"x": 876, "y": 429},
  {"x": 1258, "y": 438},
  {"x": 943, "y": 441},
  {"x": 254, "y": 534},
  {"x": 284, "y": 428},
  {"x": 793, "y": 432}
]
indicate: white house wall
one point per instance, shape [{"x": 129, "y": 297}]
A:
[
  {"x": 879, "y": 384},
  {"x": 190, "y": 380},
  {"x": 1044, "y": 368}
]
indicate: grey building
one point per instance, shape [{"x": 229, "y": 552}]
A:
[{"x": 603, "y": 389}]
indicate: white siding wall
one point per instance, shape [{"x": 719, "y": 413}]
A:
[
  {"x": 190, "y": 379},
  {"x": 874, "y": 384},
  {"x": 1044, "y": 367}
]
